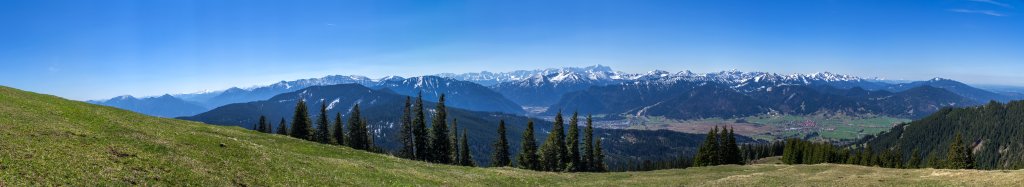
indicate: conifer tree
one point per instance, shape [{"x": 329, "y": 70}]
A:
[
  {"x": 282, "y": 128},
  {"x": 405, "y": 134},
  {"x": 598, "y": 157},
  {"x": 421, "y": 141},
  {"x": 959, "y": 156},
  {"x": 465, "y": 158},
  {"x": 263, "y": 126},
  {"x": 588, "y": 146},
  {"x": 453, "y": 137},
  {"x": 707, "y": 154},
  {"x": 500, "y": 158},
  {"x": 323, "y": 129},
  {"x": 731, "y": 149},
  {"x": 915, "y": 159},
  {"x": 573, "y": 144},
  {"x": 358, "y": 137},
  {"x": 934, "y": 162},
  {"x": 865, "y": 155},
  {"x": 721, "y": 148},
  {"x": 339, "y": 130},
  {"x": 552, "y": 152},
  {"x": 439, "y": 141},
  {"x": 528, "y": 158},
  {"x": 301, "y": 126}
]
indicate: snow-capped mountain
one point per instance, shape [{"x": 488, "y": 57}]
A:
[
  {"x": 597, "y": 72},
  {"x": 462, "y": 94}
]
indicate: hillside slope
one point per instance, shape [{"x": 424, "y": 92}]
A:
[{"x": 49, "y": 141}]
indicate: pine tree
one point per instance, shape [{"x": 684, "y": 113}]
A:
[
  {"x": 707, "y": 154},
  {"x": 731, "y": 149},
  {"x": 439, "y": 141},
  {"x": 552, "y": 152},
  {"x": 453, "y": 137},
  {"x": 421, "y": 141},
  {"x": 934, "y": 162},
  {"x": 588, "y": 146},
  {"x": 465, "y": 158},
  {"x": 528, "y": 158},
  {"x": 405, "y": 134},
  {"x": 500, "y": 158},
  {"x": 867, "y": 156},
  {"x": 323, "y": 129},
  {"x": 301, "y": 126},
  {"x": 282, "y": 128},
  {"x": 339, "y": 130},
  {"x": 358, "y": 137},
  {"x": 959, "y": 156},
  {"x": 598, "y": 157},
  {"x": 915, "y": 159},
  {"x": 369, "y": 137},
  {"x": 573, "y": 144},
  {"x": 721, "y": 148},
  {"x": 263, "y": 126}
]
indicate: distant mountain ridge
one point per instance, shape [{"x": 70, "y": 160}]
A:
[
  {"x": 161, "y": 106},
  {"x": 689, "y": 99},
  {"x": 540, "y": 89}
]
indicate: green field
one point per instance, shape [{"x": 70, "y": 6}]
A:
[
  {"x": 777, "y": 127},
  {"x": 48, "y": 141}
]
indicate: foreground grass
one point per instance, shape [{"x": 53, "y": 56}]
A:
[{"x": 45, "y": 140}]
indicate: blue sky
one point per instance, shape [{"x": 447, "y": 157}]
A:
[{"x": 83, "y": 49}]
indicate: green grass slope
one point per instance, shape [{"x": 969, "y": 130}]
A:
[{"x": 46, "y": 140}]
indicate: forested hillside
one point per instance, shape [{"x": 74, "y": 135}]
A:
[{"x": 993, "y": 132}]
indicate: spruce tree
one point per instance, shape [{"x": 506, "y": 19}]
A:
[
  {"x": 263, "y": 126},
  {"x": 421, "y": 141},
  {"x": 707, "y": 154},
  {"x": 552, "y": 152},
  {"x": 865, "y": 155},
  {"x": 721, "y": 148},
  {"x": 465, "y": 158},
  {"x": 439, "y": 141},
  {"x": 915, "y": 160},
  {"x": 573, "y": 144},
  {"x": 282, "y": 128},
  {"x": 959, "y": 155},
  {"x": 527, "y": 158},
  {"x": 339, "y": 130},
  {"x": 301, "y": 126},
  {"x": 323, "y": 129},
  {"x": 934, "y": 162},
  {"x": 358, "y": 137},
  {"x": 405, "y": 133},
  {"x": 454, "y": 139},
  {"x": 500, "y": 158},
  {"x": 598, "y": 164},
  {"x": 588, "y": 146},
  {"x": 732, "y": 150}
]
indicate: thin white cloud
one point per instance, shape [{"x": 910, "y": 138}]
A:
[
  {"x": 983, "y": 12},
  {"x": 994, "y": 2}
]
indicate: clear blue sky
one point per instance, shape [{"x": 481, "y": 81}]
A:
[{"x": 82, "y": 49}]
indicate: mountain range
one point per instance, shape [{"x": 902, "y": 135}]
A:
[
  {"x": 162, "y": 106},
  {"x": 383, "y": 108},
  {"x": 558, "y": 88}
]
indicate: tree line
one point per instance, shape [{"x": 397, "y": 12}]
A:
[
  {"x": 799, "y": 151},
  {"x": 559, "y": 153},
  {"x": 441, "y": 142},
  {"x": 326, "y": 131},
  {"x": 719, "y": 148}
]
